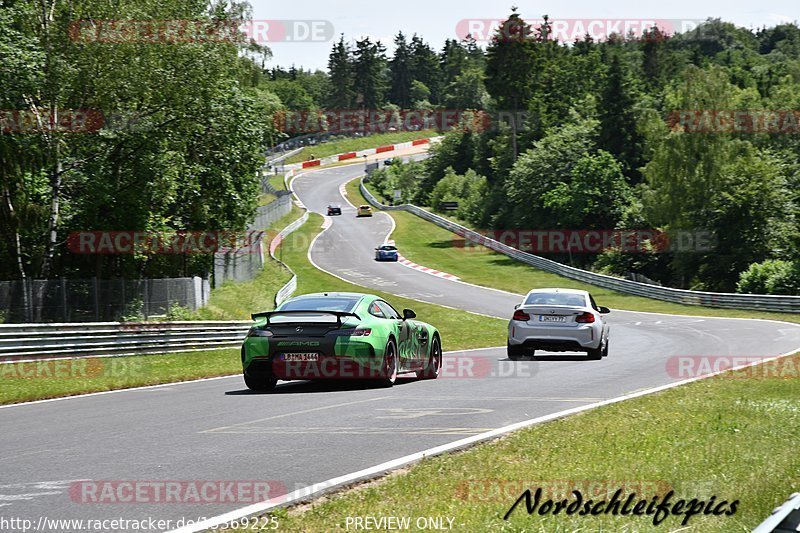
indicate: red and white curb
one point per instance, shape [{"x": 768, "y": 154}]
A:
[
  {"x": 356, "y": 155},
  {"x": 433, "y": 272}
]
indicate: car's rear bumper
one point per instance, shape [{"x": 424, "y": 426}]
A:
[
  {"x": 350, "y": 359},
  {"x": 558, "y": 339}
]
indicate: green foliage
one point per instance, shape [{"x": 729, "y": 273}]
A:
[
  {"x": 468, "y": 190},
  {"x": 594, "y": 198},
  {"x": 178, "y": 150},
  {"x": 177, "y": 313},
  {"x": 543, "y": 168},
  {"x": 771, "y": 277}
]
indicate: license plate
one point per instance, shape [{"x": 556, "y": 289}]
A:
[
  {"x": 300, "y": 357},
  {"x": 545, "y": 318}
]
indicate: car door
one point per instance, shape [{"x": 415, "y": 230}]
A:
[
  {"x": 602, "y": 317},
  {"x": 403, "y": 332},
  {"x": 409, "y": 331}
]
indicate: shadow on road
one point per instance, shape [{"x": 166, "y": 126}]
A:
[{"x": 315, "y": 387}]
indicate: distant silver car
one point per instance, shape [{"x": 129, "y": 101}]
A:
[{"x": 558, "y": 320}]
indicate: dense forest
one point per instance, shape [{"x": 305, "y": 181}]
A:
[{"x": 583, "y": 135}]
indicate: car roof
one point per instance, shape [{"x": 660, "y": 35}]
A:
[
  {"x": 334, "y": 295},
  {"x": 565, "y": 291},
  {"x": 334, "y": 205}
]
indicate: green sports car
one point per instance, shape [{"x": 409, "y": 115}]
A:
[{"x": 338, "y": 336}]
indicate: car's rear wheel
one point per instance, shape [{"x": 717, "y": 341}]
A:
[
  {"x": 434, "y": 361},
  {"x": 597, "y": 353},
  {"x": 260, "y": 382},
  {"x": 389, "y": 370},
  {"x": 517, "y": 352},
  {"x": 605, "y": 349}
]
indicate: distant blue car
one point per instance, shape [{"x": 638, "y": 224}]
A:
[{"x": 386, "y": 252}]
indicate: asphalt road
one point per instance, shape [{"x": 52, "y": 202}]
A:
[{"x": 216, "y": 431}]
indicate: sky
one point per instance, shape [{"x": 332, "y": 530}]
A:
[{"x": 437, "y": 20}]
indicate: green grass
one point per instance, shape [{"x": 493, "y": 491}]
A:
[
  {"x": 358, "y": 143},
  {"x": 276, "y": 180},
  {"x": 732, "y": 438},
  {"x": 434, "y": 247},
  {"x": 22, "y": 382},
  {"x": 459, "y": 330},
  {"x": 264, "y": 198}
]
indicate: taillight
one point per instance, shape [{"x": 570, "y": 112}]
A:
[
  {"x": 361, "y": 333},
  {"x": 521, "y": 316},
  {"x": 256, "y": 331},
  {"x": 585, "y": 318}
]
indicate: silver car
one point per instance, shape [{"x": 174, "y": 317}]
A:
[{"x": 558, "y": 320}]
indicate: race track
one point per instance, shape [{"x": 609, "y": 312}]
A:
[{"x": 215, "y": 430}]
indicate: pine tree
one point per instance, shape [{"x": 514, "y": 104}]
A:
[
  {"x": 618, "y": 133},
  {"x": 370, "y": 71},
  {"x": 400, "y": 66},
  {"x": 340, "y": 71}
]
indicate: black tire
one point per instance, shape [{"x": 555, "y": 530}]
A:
[
  {"x": 431, "y": 371},
  {"x": 596, "y": 354},
  {"x": 260, "y": 382},
  {"x": 389, "y": 369},
  {"x": 605, "y": 350},
  {"x": 518, "y": 353}
]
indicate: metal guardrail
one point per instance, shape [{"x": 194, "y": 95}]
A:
[
  {"x": 26, "y": 342},
  {"x": 755, "y": 302},
  {"x": 785, "y": 518},
  {"x": 288, "y": 289},
  {"x": 34, "y": 342}
]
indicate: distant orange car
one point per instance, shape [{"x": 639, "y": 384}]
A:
[{"x": 364, "y": 211}]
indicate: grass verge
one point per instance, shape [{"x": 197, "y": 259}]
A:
[
  {"x": 434, "y": 247},
  {"x": 716, "y": 437},
  {"x": 358, "y": 143}
]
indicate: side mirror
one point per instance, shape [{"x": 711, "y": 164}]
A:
[
  {"x": 604, "y": 310},
  {"x": 408, "y": 314}
]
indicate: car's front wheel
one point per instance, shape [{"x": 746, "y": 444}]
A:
[
  {"x": 389, "y": 370},
  {"x": 434, "y": 362}
]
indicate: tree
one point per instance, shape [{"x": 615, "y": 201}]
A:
[
  {"x": 370, "y": 73},
  {"x": 340, "y": 72},
  {"x": 401, "y": 75},
  {"x": 467, "y": 91},
  {"x": 425, "y": 67},
  {"x": 595, "y": 196},
  {"x": 510, "y": 69},
  {"x": 542, "y": 168},
  {"x": 618, "y": 125}
]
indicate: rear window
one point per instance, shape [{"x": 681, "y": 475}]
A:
[
  {"x": 341, "y": 304},
  {"x": 388, "y": 248},
  {"x": 555, "y": 298}
]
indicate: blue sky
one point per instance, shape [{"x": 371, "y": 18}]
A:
[{"x": 437, "y": 20}]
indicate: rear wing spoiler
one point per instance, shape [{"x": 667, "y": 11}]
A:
[{"x": 338, "y": 314}]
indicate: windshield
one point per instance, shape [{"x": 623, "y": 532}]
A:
[
  {"x": 344, "y": 304},
  {"x": 556, "y": 298}
]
